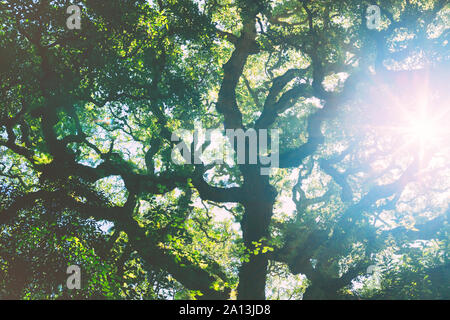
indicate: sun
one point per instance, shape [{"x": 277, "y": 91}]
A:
[
  {"x": 422, "y": 133},
  {"x": 423, "y": 129},
  {"x": 411, "y": 117}
]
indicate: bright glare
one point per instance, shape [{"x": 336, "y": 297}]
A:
[
  {"x": 413, "y": 116},
  {"x": 424, "y": 129}
]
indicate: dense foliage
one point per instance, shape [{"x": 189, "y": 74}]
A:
[{"x": 357, "y": 209}]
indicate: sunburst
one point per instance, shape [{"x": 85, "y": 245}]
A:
[{"x": 414, "y": 114}]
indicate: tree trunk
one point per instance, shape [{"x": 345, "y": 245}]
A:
[{"x": 260, "y": 197}]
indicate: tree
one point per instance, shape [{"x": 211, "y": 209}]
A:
[{"x": 89, "y": 116}]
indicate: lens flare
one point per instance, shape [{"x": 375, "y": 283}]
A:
[
  {"x": 409, "y": 114},
  {"x": 424, "y": 130}
]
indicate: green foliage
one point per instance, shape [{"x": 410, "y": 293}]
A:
[{"x": 86, "y": 170}]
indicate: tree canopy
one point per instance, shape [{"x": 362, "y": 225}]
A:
[{"x": 357, "y": 207}]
